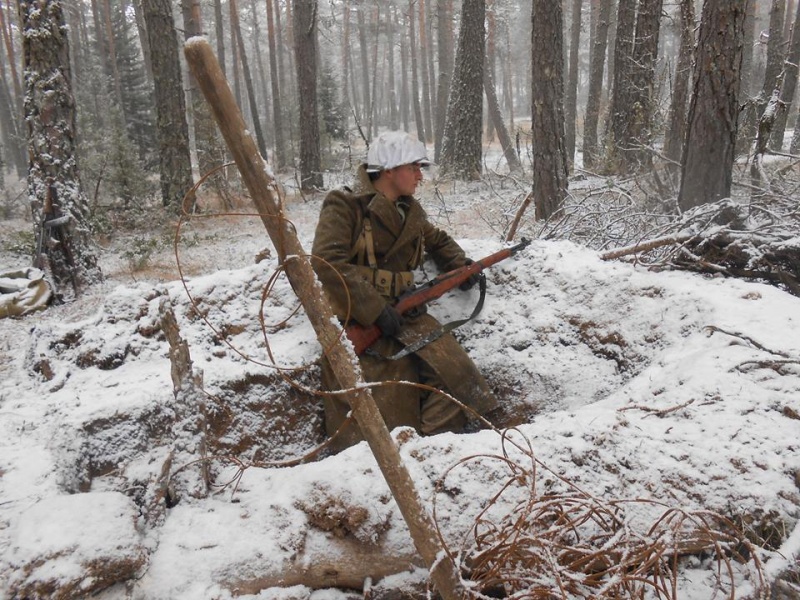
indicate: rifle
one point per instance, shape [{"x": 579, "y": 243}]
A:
[{"x": 363, "y": 337}]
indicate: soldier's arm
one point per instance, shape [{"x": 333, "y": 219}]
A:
[{"x": 444, "y": 250}]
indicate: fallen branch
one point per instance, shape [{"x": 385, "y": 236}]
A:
[
  {"x": 670, "y": 240},
  {"x": 751, "y": 241}
]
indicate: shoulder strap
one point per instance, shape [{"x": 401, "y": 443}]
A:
[
  {"x": 435, "y": 334},
  {"x": 364, "y": 247},
  {"x": 370, "y": 244}
]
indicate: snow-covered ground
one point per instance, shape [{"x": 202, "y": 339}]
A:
[{"x": 629, "y": 388}]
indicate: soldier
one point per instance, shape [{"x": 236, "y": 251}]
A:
[{"x": 374, "y": 238}]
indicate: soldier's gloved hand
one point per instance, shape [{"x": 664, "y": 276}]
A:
[
  {"x": 473, "y": 279},
  {"x": 389, "y": 321}
]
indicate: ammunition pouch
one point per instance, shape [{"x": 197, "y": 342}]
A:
[{"x": 391, "y": 284}]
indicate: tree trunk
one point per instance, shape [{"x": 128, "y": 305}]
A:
[
  {"x": 12, "y": 138},
  {"x": 279, "y": 157},
  {"x": 288, "y": 73},
  {"x": 758, "y": 177},
  {"x": 59, "y": 207},
  {"x": 11, "y": 109},
  {"x": 612, "y": 55},
  {"x": 714, "y": 105},
  {"x": 496, "y": 116},
  {"x": 774, "y": 68},
  {"x": 102, "y": 96},
  {"x": 141, "y": 28},
  {"x": 281, "y": 53},
  {"x": 676, "y": 132},
  {"x": 462, "y": 147},
  {"x": 12, "y": 61},
  {"x": 366, "y": 103},
  {"x": 394, "y": 113},
  {"x": 248, "y": 79},
  {"x": 745, "y": 133},
  {"x": 210, "y": 151},
  {"x": 597, "y": 62},
  {"x": 775, "y": 50},
  {"x": 74, "y": 16},
  {"x": 175, "y": 168},
  {"x": 747, "y": 51},
  {"x": 345, "y": 52},
  {"x": 444, "y": 22},
  {"x": 636, "y": 151},
  {"x": 490, "y": 61},
  {"x": 236, "y": 61},
  {"x": 412, "y": 48},
  {"x": 547, "y": 110},
  {"x": 508, "y": 81},
  {"x": 111, "y": 48},
  {"x": 374, "y": 108},
  {"x": 219, "y": 28},
  {"x": 622, "y": 97},
  {"x": 262, "y": 72},
  {"x": 788, "y": 84},
  {"x": 430, "y": 17},
  {"x": 305, "y": 48},
  {"x": 425, "y": 73},
  {"x": 305, "y": 283},
  {"x": 571, "y": 98},
  {"x": 405, "y": 99}
]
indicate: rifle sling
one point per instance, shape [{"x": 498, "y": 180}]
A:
[{"x": 439, "y": 332}]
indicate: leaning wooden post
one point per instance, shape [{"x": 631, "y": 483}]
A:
[{"x": 261, "y": 185}]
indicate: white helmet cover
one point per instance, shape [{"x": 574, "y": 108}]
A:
[{"x": 393, "y": 149}]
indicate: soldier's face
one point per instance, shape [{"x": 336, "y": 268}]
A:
[{"x": 405, "y": 178}]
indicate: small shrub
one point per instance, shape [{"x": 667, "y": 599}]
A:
[
  {"x": 20, "y": 243},
  {"x": 140, "y": 252}
]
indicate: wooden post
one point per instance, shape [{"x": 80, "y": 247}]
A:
[
  {"x": 344, "y": 362},
  {"x": 189, "y": 428}
]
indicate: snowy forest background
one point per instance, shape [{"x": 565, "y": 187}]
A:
[{"x": 643, "y": 347}]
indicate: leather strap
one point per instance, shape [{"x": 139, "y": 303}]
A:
[{"x": 439, "y": 332}]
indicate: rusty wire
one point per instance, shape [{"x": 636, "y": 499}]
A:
[{"x": 570, "y": 544}]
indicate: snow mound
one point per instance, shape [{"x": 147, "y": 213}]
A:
[{"x": 68, "y": 546}]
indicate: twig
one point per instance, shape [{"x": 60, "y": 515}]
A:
[
  {"x": 748, "y": 339},
  {"x": 657, "y": 412}
]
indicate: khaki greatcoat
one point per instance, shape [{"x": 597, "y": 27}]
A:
[{"x": 398, "y": 244}]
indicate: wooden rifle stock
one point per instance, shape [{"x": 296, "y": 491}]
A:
[{"x": 363, "y": 337}]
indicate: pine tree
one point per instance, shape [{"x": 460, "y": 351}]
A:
[
  {"x": 333, "y": 118},
  {"x": 175, "y": 169},
  {"x": 305, "y": 47},
  {"x": 462, "y": 150},
  {"x": 63, "y": 236},
  {"x": 137, "y": 95}
]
